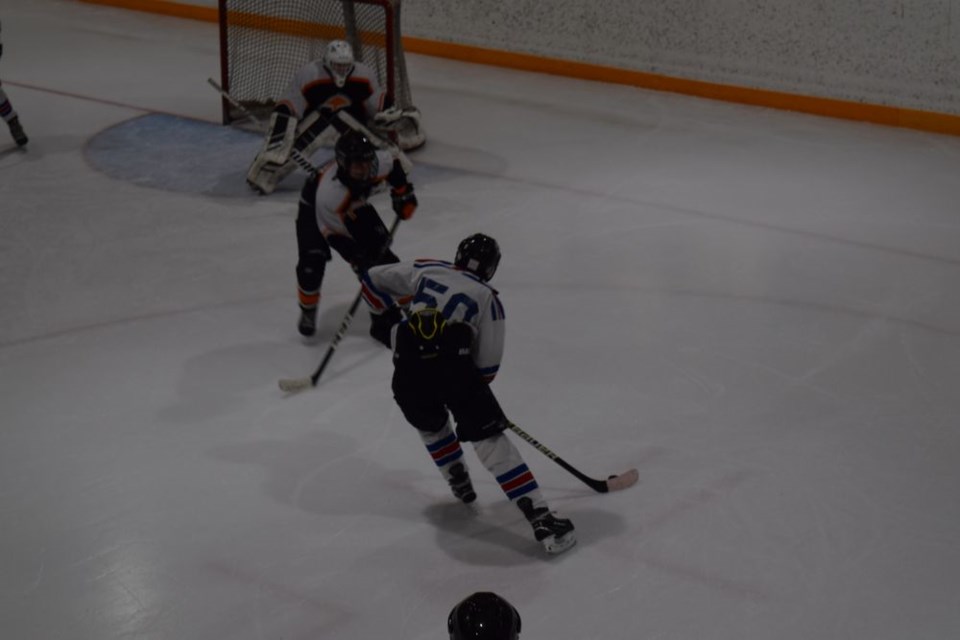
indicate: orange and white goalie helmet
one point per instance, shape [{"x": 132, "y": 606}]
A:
[{"x": 338, "y": 60}]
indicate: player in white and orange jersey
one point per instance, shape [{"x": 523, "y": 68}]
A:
[{"x": 334, "y": 212}]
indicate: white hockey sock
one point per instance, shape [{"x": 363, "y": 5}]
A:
[
  {"x": 499, "y": 455},
  {"x": 444, "y": 447}
]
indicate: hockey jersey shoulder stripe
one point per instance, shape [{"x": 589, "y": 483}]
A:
[
  {"x": 496, "y": 309},
  {"x": 376, "y": 298},
  {"x": 421, "y": 263}
]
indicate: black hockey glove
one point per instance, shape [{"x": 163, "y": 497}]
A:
[
  {"x": 397, "y": 176},
  {"x": 381, "y": 325},
  {"x": 404, "y": 201}
]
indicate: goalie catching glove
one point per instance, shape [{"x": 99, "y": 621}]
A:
[
  {"x": 400, "y": 126},
  {"x": 387, "y": 116}
]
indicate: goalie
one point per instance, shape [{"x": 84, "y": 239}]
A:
[{"x": 305, "y": 118}]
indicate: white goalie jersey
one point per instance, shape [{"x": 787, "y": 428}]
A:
[{"x": 459, "y": 295}]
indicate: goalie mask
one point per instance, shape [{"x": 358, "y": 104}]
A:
[
  {"x": 479, "y": 254},
  {"x": 357, "y": 163},
  {"x": 484, "y": 616},
  {"x": 338, "y": 61}
]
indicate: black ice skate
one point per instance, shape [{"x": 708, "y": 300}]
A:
[
  {"x": 554, "y": 533},
  {"x": 460, "y": 484},
  {"x": 16, "y": 130},
  {"x": 308, "y": 322}
]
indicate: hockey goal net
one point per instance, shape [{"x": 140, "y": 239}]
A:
[{"x": 264, "y": 42}]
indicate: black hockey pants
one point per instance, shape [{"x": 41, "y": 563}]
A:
[
  {"x": 434, "y": 373},
  {"x": 313, "y": 252}
]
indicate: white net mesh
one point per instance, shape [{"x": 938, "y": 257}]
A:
[{"x": 264, "y": 42}]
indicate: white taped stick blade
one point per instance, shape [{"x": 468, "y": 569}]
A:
[
  {"x": 294, "y": 385},
  {"x": 623, "y": 481}
]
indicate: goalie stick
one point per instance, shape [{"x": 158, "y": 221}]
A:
[
  {"x": 295, "y": 385},
  {"x": 613, "y": 483},
  {"x": 297, "y": 157},
  {"x": 343, "y": 116},
  {"x": 378, "y": 141}
]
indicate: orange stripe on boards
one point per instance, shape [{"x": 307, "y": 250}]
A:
[
  {"x": 842, "y": 109},
  {"x": 163, "y": 7},
  {"x": 288, "y": 26}
]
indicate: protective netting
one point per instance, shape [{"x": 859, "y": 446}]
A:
[{"x": 264, "y": 42}]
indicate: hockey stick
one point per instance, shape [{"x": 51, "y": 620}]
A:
[
  {"x": 612, "y": 483},
  {"x": 378, "y": 141},
  {"x": 297, "y": 157},
  {"x": 295, "y": 385},
  {"x": 343, "y": 116}
]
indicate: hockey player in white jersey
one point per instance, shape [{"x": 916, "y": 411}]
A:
[
  {"x": 334, "y": 212},
  {"x": 446, "y": 353},
  {"x": 9, "y": 115},
  {"x": 302, "y": 117}
]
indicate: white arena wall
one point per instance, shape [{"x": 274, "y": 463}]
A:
[
  {"x": 903, "y": 53},
  {"x": 898, "y": 54}
]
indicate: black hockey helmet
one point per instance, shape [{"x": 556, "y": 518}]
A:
[
  {"x": 354, "y": 147},
  {"x": 484, "y": 616},
  {"x": 480, "y": 255}
]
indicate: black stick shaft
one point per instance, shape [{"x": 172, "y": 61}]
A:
[
  {"x": 600, "y": 486},
  {"x": 345, "y": 323}
]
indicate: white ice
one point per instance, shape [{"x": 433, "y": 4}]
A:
[{"x": 757, "y": 309}]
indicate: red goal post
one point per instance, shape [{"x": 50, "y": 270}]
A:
[{"x": 264, "y": 42}]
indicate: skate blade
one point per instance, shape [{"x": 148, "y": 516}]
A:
[{"x": 557, "y": 545}]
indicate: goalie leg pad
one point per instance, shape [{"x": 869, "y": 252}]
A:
[
  {"x": 312, "y": 134},
  {"x": 266, "y": 176},
  {"x": 280, "y": 136},
  {"x": 266, "y": 173}
]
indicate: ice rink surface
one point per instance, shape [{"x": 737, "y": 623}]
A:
[{"x": 759, "y": 310}]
